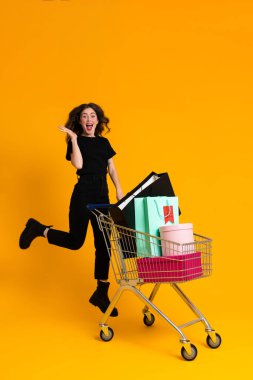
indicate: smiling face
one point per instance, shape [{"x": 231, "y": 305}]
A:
[{"x": 88, "y": 121}]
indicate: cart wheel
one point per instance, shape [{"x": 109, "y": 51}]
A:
[
  {"x": 213, "y": 344},
  {"x": 107, "y": 338},
  {"x": 193, "y": 354},
  {"x": 149, "y": 322}
]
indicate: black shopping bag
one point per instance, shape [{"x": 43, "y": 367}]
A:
[
  {"x": 153, "y": 185},
  {"x": 123, "y": 213}
]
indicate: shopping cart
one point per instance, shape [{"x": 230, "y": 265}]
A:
[{"x": 131, "y": 254}]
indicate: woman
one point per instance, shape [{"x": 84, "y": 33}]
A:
[{"x": 91, "y": 154}]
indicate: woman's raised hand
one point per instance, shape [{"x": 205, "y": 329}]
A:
[{"x": 70, "y": 133}]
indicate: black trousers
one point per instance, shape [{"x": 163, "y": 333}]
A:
[{"x": 89, "y": 189}]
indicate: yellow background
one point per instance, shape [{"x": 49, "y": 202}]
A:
[{"x": 175, "y": 78}]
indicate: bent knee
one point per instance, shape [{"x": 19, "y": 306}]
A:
[{"x": 75, "y": 245}]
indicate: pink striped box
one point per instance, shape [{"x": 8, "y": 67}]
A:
[{"x": 170, "y": 269}]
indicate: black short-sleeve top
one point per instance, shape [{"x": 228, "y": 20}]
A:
[{"x": 96, "y": 151}]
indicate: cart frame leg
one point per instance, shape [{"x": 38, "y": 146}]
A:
[
  {"x": 151, "y": 297},
  {"x": 108, "y": 311},
  {"x": 148, "y": 303},
  {"x": 195, "y": 310}
]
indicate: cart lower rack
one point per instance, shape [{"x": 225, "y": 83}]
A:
[{"x": 135, "y": 260}]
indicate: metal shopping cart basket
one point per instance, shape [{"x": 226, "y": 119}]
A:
[{"x": 132, "y": 255}]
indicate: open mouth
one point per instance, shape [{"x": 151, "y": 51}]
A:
[{"x": 89, "y": 127}]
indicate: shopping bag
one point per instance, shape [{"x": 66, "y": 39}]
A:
[
  {"x": 154, "y": 184},
  {"x": 142, "y": 241},
  {"x": 160, "y": 211},
  {"x": 150, "y": 214}
]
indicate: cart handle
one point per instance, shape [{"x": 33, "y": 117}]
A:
[{"x": 94, "y": 206}]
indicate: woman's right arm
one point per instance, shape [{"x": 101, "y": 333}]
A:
[{"x": 76, "y": 156}]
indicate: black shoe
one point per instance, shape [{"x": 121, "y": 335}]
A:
[
  {"x": 100, "y": 298},
  {"x": 32, "y": 230}
]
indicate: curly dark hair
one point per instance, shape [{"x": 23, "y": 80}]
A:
[{"x": 73, "y": 121}]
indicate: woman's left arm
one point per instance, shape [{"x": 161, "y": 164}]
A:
[{"x": 115, "y": 179}]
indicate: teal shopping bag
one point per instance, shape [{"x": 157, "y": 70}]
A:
[
  {"x": 150, "y": 214},
  {"x": 159, "y": 211},
  {"x": 142, "y": 241}
]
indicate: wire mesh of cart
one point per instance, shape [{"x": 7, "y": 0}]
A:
[{"x": 138, "y": 258}]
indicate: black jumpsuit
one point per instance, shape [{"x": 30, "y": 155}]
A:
[{"x": 91, "y": 188}]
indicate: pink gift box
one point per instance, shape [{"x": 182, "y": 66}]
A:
[
  {"x": 170, "y": 269},
  {"x": 176, "y": 233}
]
